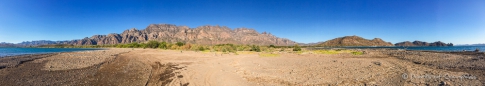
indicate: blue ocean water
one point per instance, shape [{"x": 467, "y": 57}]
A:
[
  {"x": 21, "y": 51},
  {"x": 452, "y": 48}
]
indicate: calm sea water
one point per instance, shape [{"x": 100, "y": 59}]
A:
[
  {"x": 21, "y": 51},
  {"x": 452, "y": 48}
]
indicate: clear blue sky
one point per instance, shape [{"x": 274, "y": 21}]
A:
[{"x": 305, "y": 21}]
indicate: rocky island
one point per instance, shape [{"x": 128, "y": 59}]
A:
[
  {"x": 420, "y": 43},
  {"x": 354, "y": 41}
]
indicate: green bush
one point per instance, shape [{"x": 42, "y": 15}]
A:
[
  {"x": 180, "y": 44},
  {"x": 255, "y": 48},
  {"x": 201, "y": 48},
  {"x": 163, "y": 45},
  {"x": 272, "y": 46},
  {"x": 296, "y": 48},
  {"x": 143, "y": 45},
  {"x": 152, "y": 44},
  {"x": 357, "y": 53},
  {"x": 131, "y": 45}
]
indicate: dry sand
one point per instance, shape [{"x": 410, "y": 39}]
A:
[{"x": 155, "y": 67}]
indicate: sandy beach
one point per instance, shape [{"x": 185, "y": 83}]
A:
[{"x": 155, "y": 67}]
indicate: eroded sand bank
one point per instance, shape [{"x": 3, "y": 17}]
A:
[{"x": 155, "y": 67}]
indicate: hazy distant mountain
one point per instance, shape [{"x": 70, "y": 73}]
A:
[
  {"x": 171, "y": 33},
  {"x": 3, "y": 44},
  {"x": 355, "y": 41},
  {"x": 420, "y": 43},
  {"x": 471, "y": 44}
]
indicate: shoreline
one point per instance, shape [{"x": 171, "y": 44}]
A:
[
  {"x": 90, "y": 49},
  {"x": 146, "y": 67}
]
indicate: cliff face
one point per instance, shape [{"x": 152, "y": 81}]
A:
[
  {"x": 420, "y": 43},
  {"x": 171, "y": 33},
  {"x": 355, "y": 41}
]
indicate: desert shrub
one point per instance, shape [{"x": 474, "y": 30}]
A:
[
  {"x": 174, "y": 47},
  {"x": 201, "y": 48},
  {"x": 243, "y": 48},
  {"x": 186, "y": 47},
  {"x": 357, "y": 53},
  {"x": 180, "y": 44},
  {"x": 224, "y": 50},
  {"x": 119, "y": 45},
  {"x": 225, "y": 44},
  {"x": 143, "y": 45},
  {"x": 163, "y": 45},
  {"x": 272, "y": 46},
  {"x": 282, "y": 49},
  {"x": 169, "y": 46},
  {"x": 255, "y": 48},
  {"x": 326, "y": 52},
  {"x": 296, "y": 48},
  {"x": 131, "y": 45},
  {"x": 152, "y": 44}
]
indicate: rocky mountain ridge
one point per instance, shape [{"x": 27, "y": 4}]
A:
[
  {"x": 207, "y": 35},
  {"x": 4, "y": 44},
  {"x": 354, "y": 41},
  {"x": 420, "y": 43}
]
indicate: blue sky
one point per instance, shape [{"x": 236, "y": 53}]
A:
[{"x": 305, "y": 21}]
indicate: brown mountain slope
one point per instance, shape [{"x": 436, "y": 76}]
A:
[
  {"x": 171, "y": 33},
  {"x": 355, "y": 41}
]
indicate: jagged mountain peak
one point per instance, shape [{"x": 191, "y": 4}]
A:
[{"x": 208, "y": 35}]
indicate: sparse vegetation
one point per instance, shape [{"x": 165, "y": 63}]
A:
[
  {"x": 225, "y": 48},
  {"x": 326, "y": 52},
  {"x": 272, "y": 46},
  {"x": 357, "y": 53}
]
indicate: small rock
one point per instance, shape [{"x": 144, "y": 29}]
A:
[{"x": 377, "y": 63}]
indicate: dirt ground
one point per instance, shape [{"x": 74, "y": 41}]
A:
[{"x": 155, "y": 67}]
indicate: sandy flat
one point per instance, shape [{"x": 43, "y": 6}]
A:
[{"x": 155, "y": 67}]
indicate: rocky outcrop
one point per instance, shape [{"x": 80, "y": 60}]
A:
[
  {"x": 208, "y": 35},
  {"x": 420, "y": 43},
  {"x": 355, "y": 41}
]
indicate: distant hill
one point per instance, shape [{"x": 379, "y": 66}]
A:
[
  {"x": 355, "y": 41},
  {"x": 3, "y": 44},
  {"x": 471, "y": 45},
  {"x": 207, "y": 35},
  {"x": 420, "y": 43}
]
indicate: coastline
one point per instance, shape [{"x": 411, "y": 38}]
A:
[
  {"x": 152, "y": 67},
  {"x": 33, "y": 52}
]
